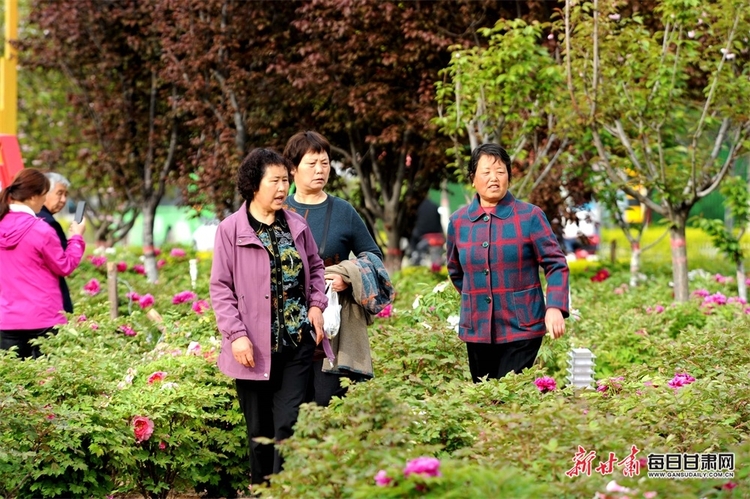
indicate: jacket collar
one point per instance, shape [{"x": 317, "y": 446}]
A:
[
  {"x": 245, "y": 233},
  {"x": 503, "y": 209}
]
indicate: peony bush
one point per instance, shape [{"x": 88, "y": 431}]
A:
[{"x": 135, "y": 405}]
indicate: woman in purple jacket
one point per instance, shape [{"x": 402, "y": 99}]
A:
[
  {"x": 268, "y": 294},
  {"x": 31, "y": 262},
  {"x": 495, "y": 247}
]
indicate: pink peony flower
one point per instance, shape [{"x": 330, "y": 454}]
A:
[
  {"x": 94, "y": 326},
  {"x": 717, "y": 298},
  {"x": 426, "y": 466},
  {"x": 386, "y": 312},
  {"x": 128, "y": 330},
  {"x": 382, "y": 479},
  {"x": 177, "y": 253},
  {"x": 139, "y": 269},
  {"x": 614, "y": 17},
  {"x": 133, "y": 296},
  {"x": 157, "y": 376},
  {"x": 92, "y": 287},
  {"x": 146, "y": 301},
  {"x": 82, "y": 318},
  {"x": 729, "y": 485},
  {"x": 157, "y": 252},
  {"x": 183, "y": 296},
  {"x": 649, "y": 495},
  {"x": 143, "y": 428},
  {"x": 680, "y": 380},
  {"x": 160, "y": 263},
  {"x": 702, "y": 293},
  {"x": 98, "y": 261},
  {"x": 162, "y": 446},
  {"x": 122, "y": 266},
  {"x": 194, "y": 348},
  {"x": 200, "y": 306},
  {"x": 613, "y": 486},
  {"x": 546, "y": 384}
]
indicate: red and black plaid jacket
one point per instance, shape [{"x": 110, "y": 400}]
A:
[{"x": 494, "y": 260}]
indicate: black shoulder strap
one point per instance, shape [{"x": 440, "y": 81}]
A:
[{"x": 326, "y": 226}]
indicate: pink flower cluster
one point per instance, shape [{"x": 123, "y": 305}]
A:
[
  {"x": 92, "y": 287},
  {"x": 422, "y": 466},
  {"x": 98, "y": 261},
  {"x": 143, "y": 428},
  {"x": 680, "y": 380},
  {"x": 200, "y": 306},
  {"x": 127, "y": 330},
  {"x": 183, "y": 297},
  {"x": 177, "y": 253},
  {"x": 386, "y": 312},
  {"x": 425, "y": 466},
  {"x": 721, "y": 279},
  {"x": 146, "y": 300},
  {"x": 658, "y": 309},
  {"x": 546, "y": 384}
]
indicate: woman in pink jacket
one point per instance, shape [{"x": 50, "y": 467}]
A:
[
  {"x": 268, "y": 294},
  {"x": 31, "y": 262}
]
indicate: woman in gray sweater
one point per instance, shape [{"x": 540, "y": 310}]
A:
[{"x": 338, "y": 230}]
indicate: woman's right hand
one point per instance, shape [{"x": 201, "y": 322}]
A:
[
  {"x": 242, "y": 350},
  {"x": 77, "y": 229}
]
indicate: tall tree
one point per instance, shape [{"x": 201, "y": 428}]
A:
[
  {"x": 666, "y": 108},
  {"x": 365, "y": 73},
  {"x": 217, "y": 52},
  {"x": 508, "y": 90},
  {"x": 111, "y": 54}
]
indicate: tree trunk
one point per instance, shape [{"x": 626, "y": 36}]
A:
[
  {"x": 149, "y": 263},
  {"x": 741, "y": 285},
  {"x": 393, "y": 254},
  {"x": 679, "y": 258},
  {"x": 635, "y": 263}
]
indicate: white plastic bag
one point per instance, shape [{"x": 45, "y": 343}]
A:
[{"x": 332, "y": 313}]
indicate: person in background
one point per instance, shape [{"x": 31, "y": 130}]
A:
[
  {"x": 55, "y": 201},
  {"x": 31, "y": 263},
  {"x": 268, "y": 294},
  {"x": 428, "y": 236},
  {"x": 495, "y": 247},
  {"x": 339, "y": 231}
]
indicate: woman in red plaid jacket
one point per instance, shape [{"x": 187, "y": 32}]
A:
[{"x": 495, "y": 247}]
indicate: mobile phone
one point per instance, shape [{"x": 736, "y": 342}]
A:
[{"x": 79, "y": 211}]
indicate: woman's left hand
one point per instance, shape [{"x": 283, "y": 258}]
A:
[
  {"x": 338, "y": 283},
  {"x": 555, "y": 323},
  {"x": 316, "y": 319}
]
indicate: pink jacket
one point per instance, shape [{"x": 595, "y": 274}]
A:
[
  {"x": 241, "y": 283},
  {"x": 31, "y": 262}
]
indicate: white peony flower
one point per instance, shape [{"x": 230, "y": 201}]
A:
[
  {"x": 415, "y": 305},
  {"x": 440, "y": 287}
]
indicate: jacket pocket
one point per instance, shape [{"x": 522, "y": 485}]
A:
[
  {"x": 528, "y": 306},
  {"x": 467, "y": 306}
]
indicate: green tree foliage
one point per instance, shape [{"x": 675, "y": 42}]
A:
[
  {"x": 660, "y": 103},
  {"x": 111, "y": 55}
]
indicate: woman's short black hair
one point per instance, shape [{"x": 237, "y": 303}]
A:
[
  {"x": 493, "y": 150},
  {"x": 253, "y": 168},
  {"x": 304, "y": 142}
]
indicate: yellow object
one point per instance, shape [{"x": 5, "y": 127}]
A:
[{"x": 8, "y": 73}]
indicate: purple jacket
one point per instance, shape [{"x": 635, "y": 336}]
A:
[
  {"x": 31, "y": 262},
  {"x": 494, "y": 261},
  {"x": 241, "y": 283}
]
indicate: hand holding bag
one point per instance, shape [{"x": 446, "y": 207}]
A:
[{"x": 332, "y": 313}]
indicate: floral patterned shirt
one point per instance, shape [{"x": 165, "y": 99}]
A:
[{"x": 288, "y": 306}]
